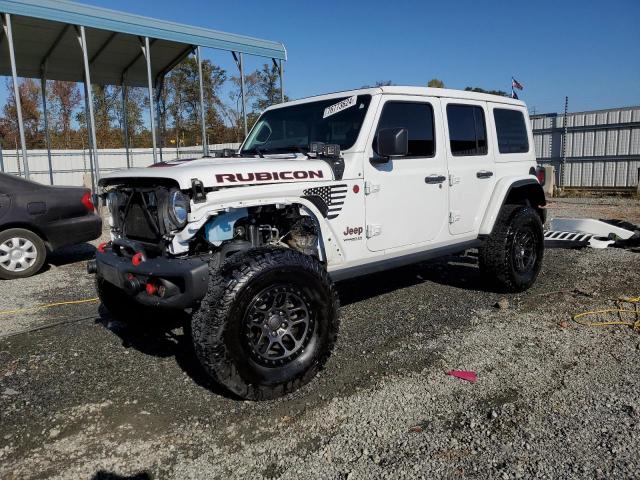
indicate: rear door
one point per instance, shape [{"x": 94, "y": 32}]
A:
[
  {"x": 470, "y": 159},
  {"x": 406, "y": 196}
]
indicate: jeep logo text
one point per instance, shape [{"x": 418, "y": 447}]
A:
[{"x": 352, "y": 231}]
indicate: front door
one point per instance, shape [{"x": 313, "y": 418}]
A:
[
  {"x": 470, "y": 161},
  {"x": 406, "y": 196}
]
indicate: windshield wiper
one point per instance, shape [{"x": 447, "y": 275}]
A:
[
  {"x": 300, "y": 150},
  {"x": 257, "y": 150},
  {"x": 287, "y": 149}
]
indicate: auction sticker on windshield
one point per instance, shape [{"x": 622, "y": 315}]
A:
[{"x": 340, "y": 106}]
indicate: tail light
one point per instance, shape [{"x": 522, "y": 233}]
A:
[
  {"x": 541, "y": 175},
  {"x": 87, "y": 202}
]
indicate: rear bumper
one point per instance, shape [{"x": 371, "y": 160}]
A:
[
  {"x": 71, "y": 231},
  {"x": 185, "y": 280}
]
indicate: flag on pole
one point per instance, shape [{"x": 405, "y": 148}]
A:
[{"x": 516, "y": 84}]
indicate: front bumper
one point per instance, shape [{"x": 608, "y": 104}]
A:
[{"x": 185, "y": 280}]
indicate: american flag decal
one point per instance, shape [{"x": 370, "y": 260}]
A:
[{"x": 332, "y": 196}]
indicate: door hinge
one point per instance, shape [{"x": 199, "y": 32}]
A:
[
  {"x": 370, "y": 188},
  {"x": 373, "y": 230},
  {"x": 453, "y": 180},
  {"x": 454, "y": 216}
]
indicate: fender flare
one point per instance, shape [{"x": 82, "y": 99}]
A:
[{"x": 503, "y": 188}]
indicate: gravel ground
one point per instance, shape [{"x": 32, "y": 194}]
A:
[{"x": 91, "y": 398}]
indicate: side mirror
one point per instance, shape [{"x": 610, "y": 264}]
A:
[{"x": 393, "y": 142}]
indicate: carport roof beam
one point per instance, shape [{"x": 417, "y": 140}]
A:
[{"x": 106, "y": 43}]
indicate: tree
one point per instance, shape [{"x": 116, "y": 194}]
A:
[
  {"x": 135, "y": 104},
  {"x": 62, "y": 98},
  {"x": 268, "y": 87},
  {"x": 29, "y": 92},
  {"x": 233, "y": 112},
  {"x": 183, "y": 98},
  {"x": 379, "y": 83},
  {"x": 105, "y": 101},
  {"x": 435, "y": 83},
  {"x": 490, "y": 92}
]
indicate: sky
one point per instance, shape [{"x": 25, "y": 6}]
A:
[{"x": 585, "y": 49}]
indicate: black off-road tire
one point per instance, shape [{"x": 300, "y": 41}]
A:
[
  {"x": 500, "y": 256},
  {"x": 121, "y": 306},
  {"x": 222, "y": 325},
  {"x": 37, "y": 253}
]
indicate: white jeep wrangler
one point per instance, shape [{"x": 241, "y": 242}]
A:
[{"x": 323, "y": 189}]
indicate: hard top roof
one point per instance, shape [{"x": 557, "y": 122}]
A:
[{"x": 409, "y": 90}]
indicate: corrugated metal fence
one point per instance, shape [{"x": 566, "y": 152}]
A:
[
  {"x": 603, "y": 146},
  {"x": 70, "y": 166}
]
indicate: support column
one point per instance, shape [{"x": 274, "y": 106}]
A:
[
  {"x": 86, "y": 114},
  {"x": 563, "y": 165},
  {"x": 1, "y": 159},
  {"x": 158, "y": 89},
  {"x": 244, "y": 104},
  {"x": 16, "y": 91},
  {"x": 91, "y": 122},
  {"x": 205, "y": 140},
  {"x": 147, "y": 55},
  {"x": 238, "y": 57},
  {"x": 281, "y": 71},
  {"x": 43, "y": 89},
  {"x": 125, "y": 126}
]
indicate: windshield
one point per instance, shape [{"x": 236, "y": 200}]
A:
[{"x": 291, "y": 129}]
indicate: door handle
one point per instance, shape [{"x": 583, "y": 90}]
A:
[
  {"x": 484, "y": 174},
  {"x": 434, "y": 179}
]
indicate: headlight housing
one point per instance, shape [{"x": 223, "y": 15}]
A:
[
  {"x": 178, "y": 209},
  {"x": 111, "y": 201}
]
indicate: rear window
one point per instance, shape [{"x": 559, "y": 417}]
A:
[
  {"x": 511, "y": 130},
  {"x": 467, "y": 130}
]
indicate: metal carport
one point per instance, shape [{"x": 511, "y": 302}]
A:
[{"x": 63, "y": 40}]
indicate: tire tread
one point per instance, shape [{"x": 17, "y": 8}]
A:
[
  {"x": 209, "y": 320},
  {"x": 493, "y": 258}
]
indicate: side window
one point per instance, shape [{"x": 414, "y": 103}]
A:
[
  {"x": 467, "y": 130},
  {"x": 417, "y": 118},
  {"x": 512, "y": 131}
]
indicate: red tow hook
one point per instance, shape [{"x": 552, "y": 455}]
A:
[
  {"x": 151, "y": 288},
  {"x": 137, "y": 259},
  {"x": 103, "y": 246}
]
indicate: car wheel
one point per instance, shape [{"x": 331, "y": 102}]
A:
[
  {"x": 267, "y": 324},
  {"x": 512, "y": 255},
  {"x": 22, "y": 253}
]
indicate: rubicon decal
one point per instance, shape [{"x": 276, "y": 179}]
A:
[{"x": 268, "y": 176}]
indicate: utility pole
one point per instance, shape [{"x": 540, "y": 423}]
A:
[{"x": 563, "y": 166}]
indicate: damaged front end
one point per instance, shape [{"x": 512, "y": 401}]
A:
[{"x": 161, "y": 259}]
